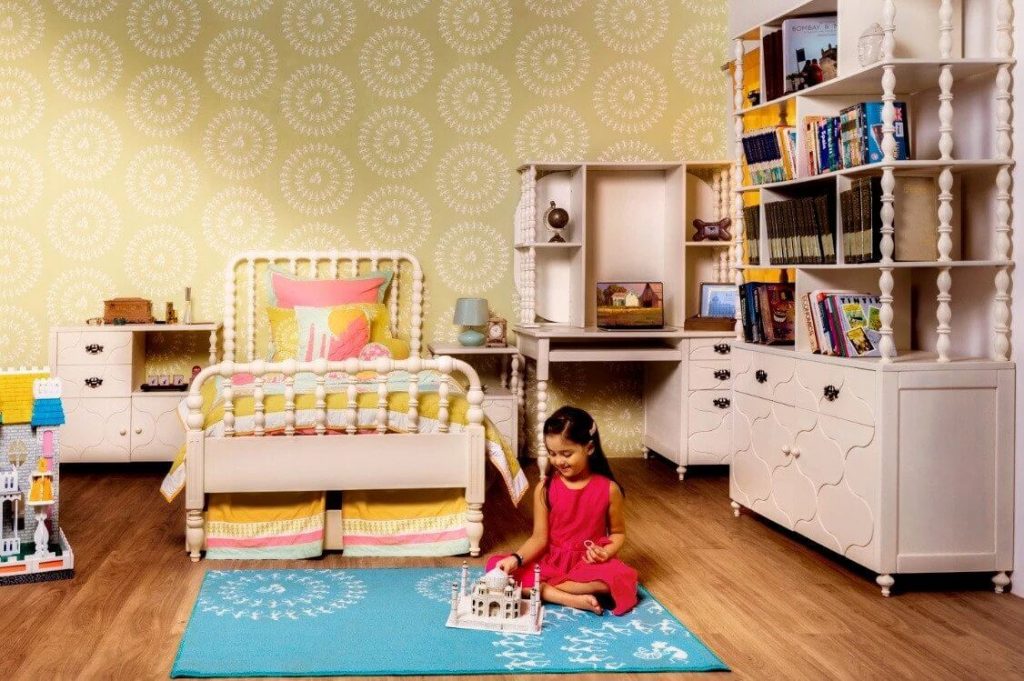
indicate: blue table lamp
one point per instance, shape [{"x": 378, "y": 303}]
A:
[{"x": 471, "y": 312}]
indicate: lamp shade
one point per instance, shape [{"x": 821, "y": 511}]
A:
[{"x": 471, "y": 311}]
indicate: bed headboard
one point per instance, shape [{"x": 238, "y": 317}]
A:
[{"x": 245, "y": 291}]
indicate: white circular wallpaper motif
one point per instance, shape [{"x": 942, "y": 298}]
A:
[
  {"x": 21, "y": 182},
  {"x": 21, "y": 102},
  {"x": 317, "y": 179},
  {"x": 240, "y": 143},
  {"x": 473, "y": 177},
  {"x": 85, "y": 65},
  {"x": 552, "y": 60},
  {"x": 471, "y": 257},
  {"x": 629, "y": 151},
  {"x": 241, "y": 10},
  {"x": 554, "y": 8},
  {"x": 630, "y": 96},
  {"x": 699, "y": 131},
  {"x": 21, "y": 260},
  {"x": 475, "y": 27},
  {"x": 395, "y": 141},
  {"x": 20, "y": 335},
  {"x": 163, "y": 28},
  {"x": 85, "y": 10},
  {"x": 84, "y": 223},
  {"x": 153, "y": 261},
  {"x": 21, "y": 27},
  {"x": 78, "y": 293},
  {"x": 474, "y": 98},
  {"x": 396, "y": 62},
  {"x": 318, "y": 28},
  {"x": 397, "y": 9},
  {"x": 162, "y": 101},
  {"x": 238, "y": 219},
  {"x": 694, "y": 56},
  {"x": 551, "y": 132},
  {"x": 316, "y": 236},
  {"x": 162, "y": 181},
  {"x": 394, "y": 217},
  {"x": 318, "y": 100},
  {"x": 240, "y": 63},
  {"x": 631, "y": 26},
  {"x": 85, "y": 144}
]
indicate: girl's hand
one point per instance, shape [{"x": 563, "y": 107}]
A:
[
  {"x": 597, "y": 554},
  {"x": 507, "y": 564}
]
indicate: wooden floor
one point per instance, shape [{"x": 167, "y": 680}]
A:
[{"x": 772, "y": 606}]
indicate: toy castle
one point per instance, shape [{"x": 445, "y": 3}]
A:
[
  {"x": 495, "y": 603},
  {"x": 32, "y": 546}
]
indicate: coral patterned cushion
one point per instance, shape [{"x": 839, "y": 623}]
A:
[
  {"x": 331, "y": 333},
  {"x": 291, "y": 293},
  {"x": 285, "y": 333}
]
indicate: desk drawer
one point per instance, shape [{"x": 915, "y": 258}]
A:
[
  {"x": 95, "y": 348},
  {"x": 761, "y": 374},
  {"x": 96, "y": 380},
  {"x": 710, "y": 348},
  {"x": 709, "y": 426},
  {"x": 709, "y": 375}
]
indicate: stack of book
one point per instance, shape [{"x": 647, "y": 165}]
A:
[
  {"x": 915, "y": 220},
  {"x": 852, "y": 138},
  {"x": 752, "y": 233},
  {"x": 843, "y": 323},
  {"x": 770, "y": 153},
  {"x": 801, "y": 231},
  {"x": 768, "y": 313}
]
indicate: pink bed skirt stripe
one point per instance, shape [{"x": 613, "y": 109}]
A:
[
  {"x": 423, "y": 538},
  {"x": 258, "y": 542}
]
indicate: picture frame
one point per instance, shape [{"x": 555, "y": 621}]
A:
[{"x": 718, "y": 300}]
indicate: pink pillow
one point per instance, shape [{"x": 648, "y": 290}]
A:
[{"x": 292, "y": 293}]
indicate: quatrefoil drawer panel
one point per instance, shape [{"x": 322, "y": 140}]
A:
[
  {"x": 761, "y": 374},
  {"x": 841, "y": 391},
  {"x": 96, "y": 348},
  {"x": 710, "y": 375},
  {"x": 96, "y": 381}
]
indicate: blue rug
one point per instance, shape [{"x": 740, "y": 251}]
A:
[{"x": 391, "y": 622}]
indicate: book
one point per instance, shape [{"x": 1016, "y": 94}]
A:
[
  {"x": 777, "y": 313},
  {"x": 861, "y": 324},
  {"x": 871, "y": 131},
  {"x": 809, "y": 51}
]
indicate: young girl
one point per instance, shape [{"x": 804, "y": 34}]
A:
[{"x": 578, "y": 524}]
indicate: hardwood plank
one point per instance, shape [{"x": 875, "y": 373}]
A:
[{"x": 771, "y": 604}]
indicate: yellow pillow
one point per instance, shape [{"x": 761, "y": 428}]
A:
[{"x": 284, "y": 329}]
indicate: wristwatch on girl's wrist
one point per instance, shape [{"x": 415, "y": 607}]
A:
[{"x": 519, "y": 559}]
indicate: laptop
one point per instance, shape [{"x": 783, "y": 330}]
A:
[{"x": 629, "y": 305}]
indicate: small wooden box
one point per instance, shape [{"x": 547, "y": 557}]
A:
[{"x": 131, "y": 310}]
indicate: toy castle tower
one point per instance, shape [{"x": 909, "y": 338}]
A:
[
  {"x": 495, "y": 603},
  {"x": 32, "y": 546}
]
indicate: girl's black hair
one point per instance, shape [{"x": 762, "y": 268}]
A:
[{"x": 576, "y": 425}]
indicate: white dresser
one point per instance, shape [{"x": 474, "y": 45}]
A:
[
  {"x": 902, "y": 468},
  {"x": 109, "y": 418}
]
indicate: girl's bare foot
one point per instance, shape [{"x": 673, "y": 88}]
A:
[{"x": 589, "y": 602}]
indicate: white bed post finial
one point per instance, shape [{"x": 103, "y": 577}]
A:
[
  {"x": 416, "y": 333},
  {"x": 885, "y": 282},
  {"x": 943, "y": 312},
  {"x": 229, "y": 311},
  {"x": 737, "y": 176},
  {"x": 1004, "y": 149}
]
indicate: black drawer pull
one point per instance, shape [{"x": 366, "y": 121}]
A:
[
  {"x": 831, "y": 393},
  {"x": 761, "y": 375},
  {"x": 723, "y": 348},
  {"x": 94, "y": 348},
  {"x": 94, "y": 381},
  {"x": 722, "y": 374},
  {"x": 721, "y": 402}
]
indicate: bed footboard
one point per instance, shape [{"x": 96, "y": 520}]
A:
[{"x": 408, "y": 460}]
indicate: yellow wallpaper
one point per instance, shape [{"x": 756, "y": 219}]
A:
[{"x": 143, "y": 141}]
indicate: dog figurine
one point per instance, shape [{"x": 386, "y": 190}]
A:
[{"x": 712, "y": 231}]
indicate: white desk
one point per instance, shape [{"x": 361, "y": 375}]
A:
[{"x": 668, "y": 393}]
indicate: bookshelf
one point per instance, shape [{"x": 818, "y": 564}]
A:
[{"x": 883, "y": 480}]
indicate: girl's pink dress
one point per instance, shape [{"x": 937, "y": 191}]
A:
[{"x": 575, "y": 516}]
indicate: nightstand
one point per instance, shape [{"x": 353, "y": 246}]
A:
[{"x": 502, "y": 404}]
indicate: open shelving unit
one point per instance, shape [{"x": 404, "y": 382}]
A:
[{"x": 868, "y": 457}]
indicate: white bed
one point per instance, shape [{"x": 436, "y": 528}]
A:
[{"x": 255, "y": 462}]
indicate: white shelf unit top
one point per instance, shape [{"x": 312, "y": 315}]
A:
[
  {"x": 951, "y": 63},
  {"x": 145, "y": 328}
]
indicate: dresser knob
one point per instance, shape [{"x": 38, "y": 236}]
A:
[
  {"x": 785, "y": 450},
  {"x": 94, "y": 348},
  {"x": 722, "y": 402},
  {"x": 124, "y": 431},
  {"x": 723, "y": 348},
  {"x": 94, "y": 381},
  {"x": 795, "y": 452},
  {"x": 138, "y": 431},
  {"x": 761, "y": 375},
  {"x": 722, "y": 374},
  {"x": 831, "y": 393}
]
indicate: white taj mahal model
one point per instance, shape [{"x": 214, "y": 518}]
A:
[{"x": 495, "y": 603}]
